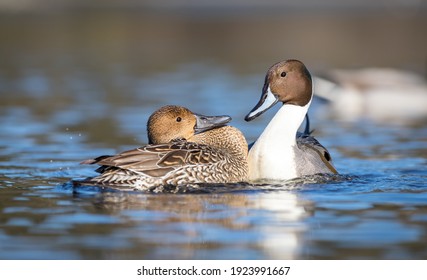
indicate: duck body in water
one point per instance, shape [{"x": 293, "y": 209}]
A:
[
  {"x": 184, "y": 148},
  {"x": 281, "y": 153}
]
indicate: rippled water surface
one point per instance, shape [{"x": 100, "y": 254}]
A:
[{"x": 72, "y": 89}]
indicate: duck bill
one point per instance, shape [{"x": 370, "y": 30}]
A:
[
  {"x": 268, "y": 100},
  {"x": 204, "y": 123}
]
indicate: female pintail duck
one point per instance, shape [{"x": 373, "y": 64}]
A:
[
  {"x": 184, "y": 148},
  {"x": 280, "y": 153}
]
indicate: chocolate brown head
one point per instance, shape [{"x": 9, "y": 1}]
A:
[{"x": 288, "y": 82}]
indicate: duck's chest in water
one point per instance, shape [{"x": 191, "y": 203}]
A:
[{"x": 266, "y": 162}]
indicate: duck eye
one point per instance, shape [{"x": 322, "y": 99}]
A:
[
  {"x": 283, "y": 74},
  {"x": 178, "y": 119},
  {"x": 327, "y": 156}
]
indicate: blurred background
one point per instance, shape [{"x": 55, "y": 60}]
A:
[
  {"x": 71, "y": 61},
  {"x": 79, "y": 79}
]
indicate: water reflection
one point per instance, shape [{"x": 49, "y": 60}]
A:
[
  {"x": 269, "y": 223},
  {"x": 131, "y": 225},
  {"x": 371, "y": 225}
]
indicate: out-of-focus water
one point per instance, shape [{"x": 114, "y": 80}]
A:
[{"x": 72, "y": 88}]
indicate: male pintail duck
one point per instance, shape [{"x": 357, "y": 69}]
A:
[
  {"x": 184, "y": 148},
  {"x": 361, "y": 94},
  {"x": 280, "y": 153}
]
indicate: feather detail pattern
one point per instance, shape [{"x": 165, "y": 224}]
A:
[{"x": 174, "y": 163}]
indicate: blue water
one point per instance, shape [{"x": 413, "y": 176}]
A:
[{"x": 62, "y": 103}]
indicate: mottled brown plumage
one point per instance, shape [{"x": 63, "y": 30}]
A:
[{"x": 213, "y": 155}]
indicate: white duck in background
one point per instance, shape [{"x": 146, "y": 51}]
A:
[
  {"x": 280, "y": 153},
  {"x": 382, "y": 95}
]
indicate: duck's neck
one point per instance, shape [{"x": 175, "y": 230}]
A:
[
  {"x": 283, "y": 128},
  {"x": 227, "y": 138},
  {"x": 273, "y": 154}
]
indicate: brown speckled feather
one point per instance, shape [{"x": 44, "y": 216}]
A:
[
  {"x": 198, "y": 149},
  {"x": 161, "y": 164}
]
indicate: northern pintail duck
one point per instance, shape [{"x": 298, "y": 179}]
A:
[
  {"x": 280, "y": 153},
  {"x": 184, "y": 148},
  {"x": 383, "y": 95}
]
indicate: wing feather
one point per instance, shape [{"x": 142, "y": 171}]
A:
[{"x": 158, "y": 160}]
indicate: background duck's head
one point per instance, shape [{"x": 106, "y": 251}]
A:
[{"x": 175, "y": 122}]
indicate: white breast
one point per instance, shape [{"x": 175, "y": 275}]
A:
[{"x": 273, "y": 154}]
